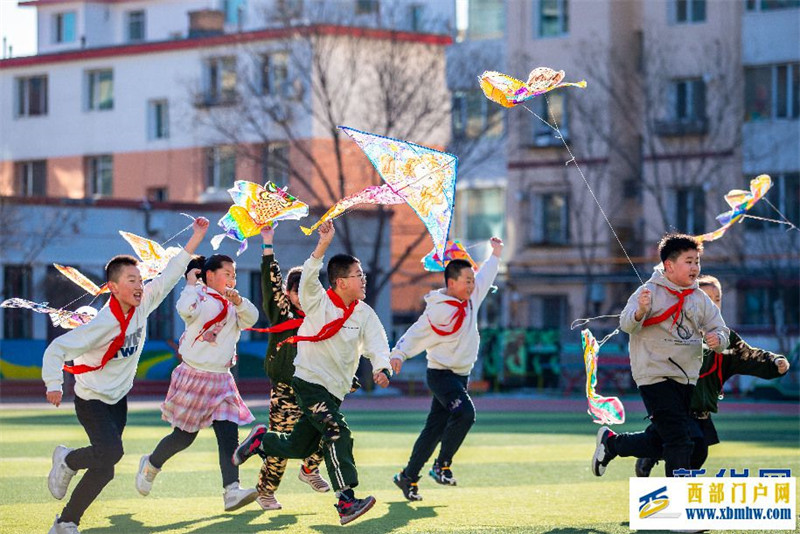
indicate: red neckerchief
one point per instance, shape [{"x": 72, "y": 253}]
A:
[
  {"x": 289, "y": 324},
  {"x": 220, "y": 316},
  {"x": 716, "y": 366},
  {"x": 674, "y": 309},
  {"x": 458, "y": 317},
  {"x": 116, "y": 343},
  {"x": 330, "y": 329}
]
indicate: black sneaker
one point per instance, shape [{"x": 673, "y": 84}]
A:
[
  {"x": 442, "y": 474},
  {"x": 409, "y": 487},
  {"x": 250, "y": 446},
  {"x": 644, "y": 466},
  {"x": 350, "y": 510},
  {"x": 601, "y": 453}
]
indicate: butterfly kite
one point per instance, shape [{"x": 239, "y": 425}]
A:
[
  {"x": 740, "y": 201},
  {"x": 509, "y": 92},
  {"x": 153, "y": 259},
  {"x": 63, "y": 318},
  {"x": 422, "y": 177},
  {"x": 254, "y": 207},
  {"x": 604, "y": 410},
  {"x": 453, "y": 251}
]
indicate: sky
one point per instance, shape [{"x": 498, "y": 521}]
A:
[{"x": 17, "y": 29}]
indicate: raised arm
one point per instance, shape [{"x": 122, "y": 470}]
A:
[
  {"x": 274, "y": 302},
  {"x": 311, "y": 292},
  {"x": 488, "y": 272}
]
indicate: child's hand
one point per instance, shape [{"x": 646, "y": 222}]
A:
[
  {"x": 200, "y": 226},
  {"x": 645, "y": 301},
  {"x": 380, "y": 378},
  {"x": 233, "y": 296},
  {"x": 54, "y": 398},
  {"x": 712, "y": 340},
  {"x": 192, "y": 276},
  {"x": 268, "y": 234},
  {"x": 497, "y": 246},
  {"x": 326, "y": 232},
  {"x": 782, "y": 364},
  {"x": 396, "y": 363}
]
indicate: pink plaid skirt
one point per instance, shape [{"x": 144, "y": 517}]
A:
[{"x": 196, "y": 398}]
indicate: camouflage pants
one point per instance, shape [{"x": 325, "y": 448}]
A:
[{"x": 283, "y": 414}]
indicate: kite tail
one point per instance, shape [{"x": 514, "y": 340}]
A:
[
  {"x": 216, "y": 240},
  {"x": 309, "y": 231}
]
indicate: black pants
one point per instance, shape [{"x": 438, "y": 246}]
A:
[
  {"x": 670, "y": 434},
  {"x": 451, "y": 416},
  {"x": 104, "y": 424},
  {"x": 227, "y": 433}
]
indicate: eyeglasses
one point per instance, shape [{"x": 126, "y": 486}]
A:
[{"x": 363, "y": 276}]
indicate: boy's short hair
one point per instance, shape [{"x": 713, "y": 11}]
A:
[
  {"x": 454, "y": 269},
  {"x": 196, "y": 262},
  {"x": 293, "y": 278},
  {"x": 708, "y": 280},
  {"x": 673, "y": 245},
  {"x": 116, "y": 264},
  {"x": 214, "y": 263},
  {"x": 339, "y": 267}
]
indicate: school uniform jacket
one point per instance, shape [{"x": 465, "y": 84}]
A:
[
  {"x": 458, "y": 351},
  {"x": 666, "y": 350},
  {"x": 88, "y": 343},
  {"x": 332, "y": 363},
  {"x": 196, "y": 307}
]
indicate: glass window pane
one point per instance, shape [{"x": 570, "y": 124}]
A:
[
  {"x": 21, "y": 96},
  {"x": 795, "y": 90},
  {"x": 680, "y": 10},
  {"x": 475, "y": 107},
  {"x": 68, "y": 21},
  {"x": 781, "y": 97},
  {"x": 758, "y": 93},
  {"x": 105, "y": 93},
  {"x": 549, "y": 24},
  {"x": 698, "y": 10}
]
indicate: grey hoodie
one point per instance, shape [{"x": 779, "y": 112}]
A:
[{"x": 664, "y": 350}]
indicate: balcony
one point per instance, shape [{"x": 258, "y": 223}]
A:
[
  {"x": 682, "y": 127},
  {"x": 209, "y": 100}
]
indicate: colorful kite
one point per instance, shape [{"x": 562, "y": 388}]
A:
[
  {"x": 453, "y": 251},
  {"x": 375, "y": 194},
  {"x": 254, "y": 208},
  {"x": 604, "y": 410},
  {"x": 740, "y": 201},
  {"x": 63, "y": 318},
  {"x": 509, "y": 92},
  {"x": 423, "y": 177},
  {"x": 81, "y": 280}
]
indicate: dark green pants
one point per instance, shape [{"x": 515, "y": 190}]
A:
[{"x": 316, "y": 402}]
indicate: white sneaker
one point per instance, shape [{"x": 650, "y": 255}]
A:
[
  {"x": 314, "y": 479},
  {"x": 236, "y": 497},
  {"x": 267, "y": 501},
  {"x": 146, "y": 475},
  {"x": 60, "y": 475},
  {"x": 63, "y": 528}
]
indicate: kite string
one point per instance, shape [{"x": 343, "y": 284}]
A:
[
  {"x": 786, "y": 219},
  {"x": 770, "y": 220},
  {"x": 572, "y": 159},
  {"x": 582, "y": 321}
]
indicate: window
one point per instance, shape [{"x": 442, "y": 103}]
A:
[
  {"x": 474, "y": 116},
  {"x": 485, "y": 213},
  {"x": 157, "y": 194},
  {"x": 157, "y": 119},
  {"x": 547, "y": 311},
  {"x": 553, "y": 109},
  {"x": 550, "y": 220},
  {"x": 684, "y": 11},
  {"x": 784, "y": 195},
  {"x": 772, "y": 92},
  {"x": 31, "y": 96},
  {"x": 17, "y": 282},
  {"x": 770, "y": 5},
  {"x": 767, "y": 306},
  {"x": 220, "y": 81},
  {"x": 136, "y": 26},
  {"x": 31, "y": 178},
  {"x": 367, "y": 7},
  {"x": 99, "y": 170},
  {"x": 234, "y": 11},
  {"x": 486, "y": 19},
  {"x": 416, "y": 15},
  {"x": 64, "y": 27},
  {"x": 553, "y": 18},
  {"x": 276, "y": 163},
  {"x": 220, "y": 167},
  {"x": 290, "y": 9},
  {"x": 690, "y": 210},
  {"x": 689, "y": 99},
  {"x": 275, "y": 74},
  {"x": 101, "y": 89},
  {"x": 160, "y": 323},
  {"x": 257, "y": 299}
]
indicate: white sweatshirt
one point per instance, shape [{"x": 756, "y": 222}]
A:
[
  {"x": 88, "y": 343},
  {"x": 212, "y": 353},
  {"x": 458, "y": 351},
  {"x": 332, "y": 363}
]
